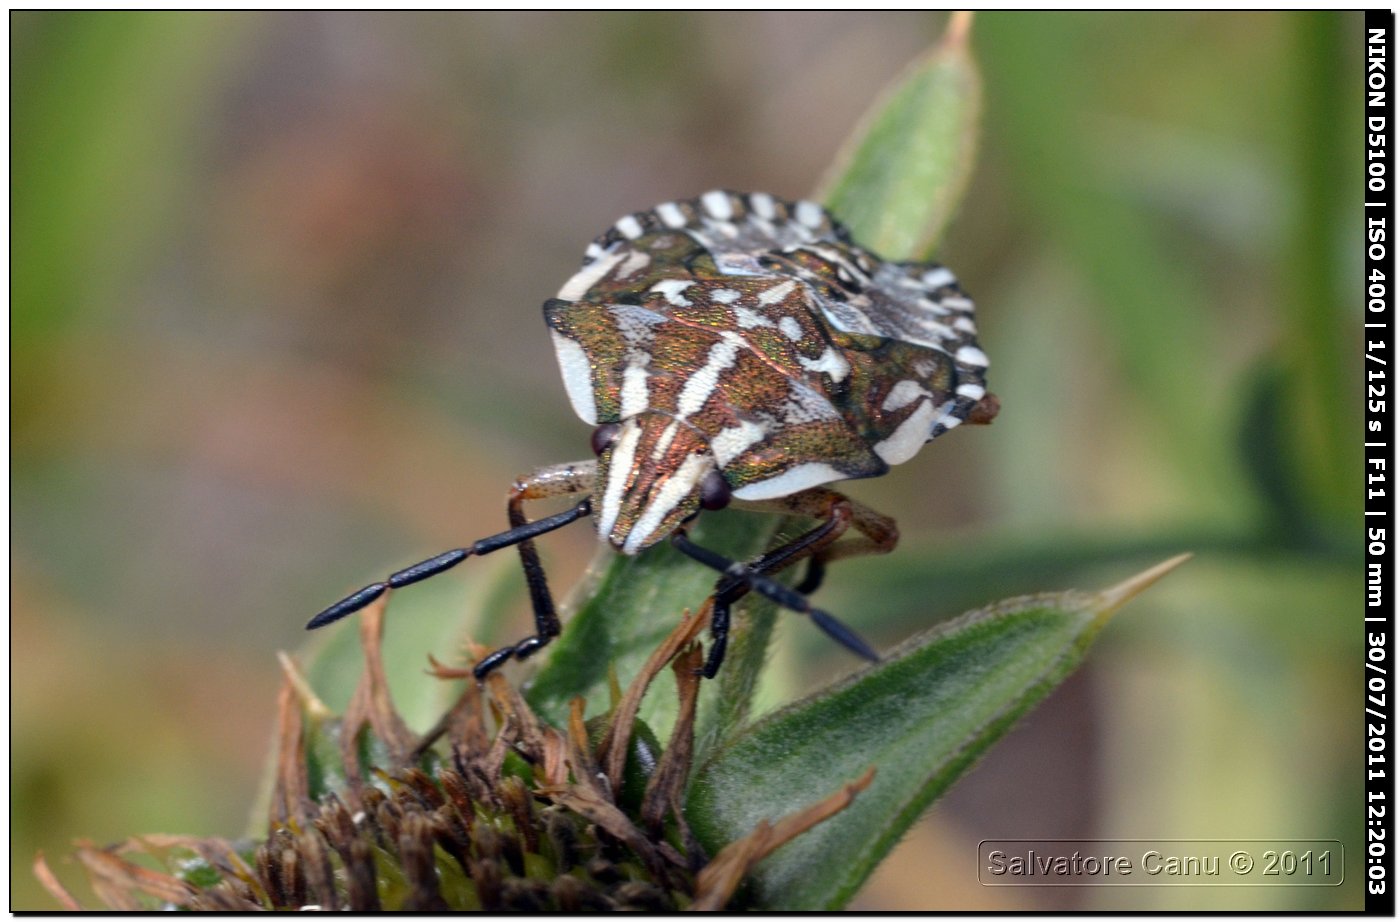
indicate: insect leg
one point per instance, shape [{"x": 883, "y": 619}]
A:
[
  {"x": 556, "y": 480},
  {"x": 521, "y": 534},
  {"x": 788, "y": 598},
  {"x": 877, "y": 533},
  {"x": 730, "y": 589}
]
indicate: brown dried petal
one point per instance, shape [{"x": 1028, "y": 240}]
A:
[
  {"x": 111, "y": 872},
  {"x": 625, "y": 715},
  {"x": 667, "y": 783},
  {"x": 589, "y": 803},
  {"x": 50, "y": 883},
  {"x": 292, "y": 785}
]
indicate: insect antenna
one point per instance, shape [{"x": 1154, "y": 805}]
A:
[
  {"x": 446, "y": 561},
  {"x": 788, "y": 598}
]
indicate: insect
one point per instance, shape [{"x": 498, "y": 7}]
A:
[{"x": 737, "y": 349}]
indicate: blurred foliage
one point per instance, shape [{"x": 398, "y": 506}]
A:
[{"x": 274, "y": 330}]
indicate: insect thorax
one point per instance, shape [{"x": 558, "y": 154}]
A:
[{"x": 747, "y": 335}]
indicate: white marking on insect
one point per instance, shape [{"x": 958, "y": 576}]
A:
[
  {"x": 593, "y": 252},
  {"x": 717, "y": 204},
  {"x": 934, "y": 328},
  {"x": 738, "y": 263},
  {"x": 957, "y": 304},
  {"x": 733, "y": 441},
  {"x": 762, "y": 204},
  {"x": 793, "y": 480},
  {"x": 777, "y": 293},
  {"x": 701, "y": 383},
  {"x": 806, "y": 404},
  {"x": 937, "y": 278},
  {"x": 936, "y": 307},
  {"x": 965, "y": 324},
  {"x": 629, "y": 227},
  {"x": 748, "y": 319},
  {"x": 673, "y": 490},
  {"x": 791, "y": 328},
  {"x": 671, "y": 214},
  {"x": 578, "y": 377},
  {"x": 950, "y": 422},
  {"x": 845, "y": 270},
  {"x": 847, "y": 319},
  {"x": 619, "y": 470},
  {"x": 905, "y": 442},
  {"x": 634, "y": 263},
  {"x": 636, "y": 324},
  {"x": 903, "y": 394},
  {"x": 808, "y": 213},
  {"x": 671, "y": 289},
  {"x": 667, "y": 437},
  {"x": 634, "y": 390},
  {"x": 972, "y": 391},
  {"x": 971, "y": 355},
  {"x": 724, "y": 296},
  {"x": 577, "y": 286},
  {"x": 829, "y": 362}
]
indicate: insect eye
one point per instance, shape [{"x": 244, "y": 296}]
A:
[
  {"x": 604, "y": 436},
  {"x": 714, "y": 491}
]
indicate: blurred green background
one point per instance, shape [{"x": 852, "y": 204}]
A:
[{"x": 275, "y": 330}]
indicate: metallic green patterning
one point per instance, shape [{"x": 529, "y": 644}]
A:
[{"x": 748, "y": 335}]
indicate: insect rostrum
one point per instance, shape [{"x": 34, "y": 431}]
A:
[{"x": 738, "y": 348}]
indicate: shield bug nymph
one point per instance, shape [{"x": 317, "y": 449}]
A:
[{"x": 738, "y": 349}]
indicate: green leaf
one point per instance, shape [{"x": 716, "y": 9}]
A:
[
  {"x": 898, "y": 178},
  {"x": 922, "y": 716}
]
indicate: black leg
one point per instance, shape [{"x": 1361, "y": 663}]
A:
[
  {"x": 739, "y": 579},
  {"x": 719, "y": 634},
  {"x": 521, "y": 534},
  {"x": 541, "y": 600},
  {"x": 816, "y": 572},
  {"x": 731, "y": 589}
]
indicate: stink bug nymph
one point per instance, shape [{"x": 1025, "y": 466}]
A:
[{"x": 737, "y": 349}]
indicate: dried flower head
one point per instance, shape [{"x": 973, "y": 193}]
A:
[{"x": 366, "y": 815}]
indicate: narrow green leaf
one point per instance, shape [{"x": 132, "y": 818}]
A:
[
  {"x": 921, "y": 717},
  {"x": 898, "y": 178}
]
